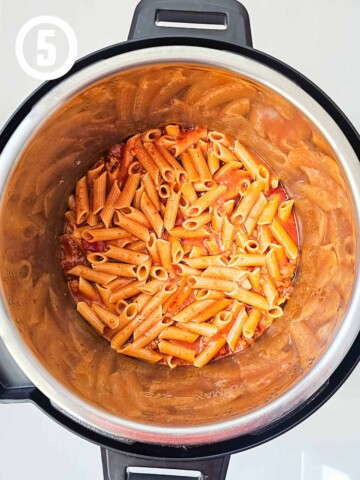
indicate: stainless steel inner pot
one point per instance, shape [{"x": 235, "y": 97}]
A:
[{"x": 122, "y": 397}]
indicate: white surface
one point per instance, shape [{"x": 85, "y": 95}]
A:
[{"x": 321, "y": 39}]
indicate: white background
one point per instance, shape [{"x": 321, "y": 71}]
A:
[{"x": 319, "y": 38}]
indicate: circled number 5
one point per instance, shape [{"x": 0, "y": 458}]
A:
[{"x": 46, "y": 56}]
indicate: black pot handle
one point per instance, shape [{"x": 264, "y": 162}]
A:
[
  {"x": 119, "y": 466},
  {"x": 225, "y": 20},
  {"x": 14, "y": 385}
]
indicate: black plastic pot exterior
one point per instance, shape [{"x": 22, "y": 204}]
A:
[{"x": 216, "y": 454}]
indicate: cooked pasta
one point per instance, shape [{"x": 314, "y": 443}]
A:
[{"x": 187, "y": 254}]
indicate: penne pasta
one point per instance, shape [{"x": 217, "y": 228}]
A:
[
  {"x": 136, "y": 215},
  {"x": 272, "y": 264},
  {"x": 132, "y": 227},
  {"x": 159, "y": 273},
  {"x": 139, "y": 192},
  {"x": 269, "y": 290},
  {"x": 127, "y": 195},
  {"x": 213, "y": 162},
  {"x": 247, "y": 260},
  {"x": 126, "y": 255},
  {"x": 246, "y": 158},
  {"x": 173, "y": 130},
  {"x": 97, "y": 258},
  {"x": 204, "y": 329},
  {"x": 177, "y": 351},
  {"x": 206, "y": 261},
  {"x": 247, "y": 203},
  {"x": 255, "y": 213},
  {"x": 251, "y": 298},
  {"x": 196, "y": 222},
  {"x": 197, "y": 251},
  {"x": 284, "y": 239},
  {"x": 236, "y": 330},
  {"x": 152, "y": 215},
  {"x": 118, "y": 283},
  {"x": 229, "y": 207},
  {"x": 151, "y": 191},
  {"x": 135, "y": 167},
  {"x": 194, "y": 308},
  {"x": 164, "y": 249},
  {"x": 142, "y": 353},
  {"x": 209, "y": 352},
  {"x": 127, "y": 291},
  {"x": 270, "y": 210},
  {"x": 143, "y": 270},
  {"x": 116, "y": 269},
  {"x": 227, "y": 234},
  {"x": 85, "y": 311},
  {"x": 217, "y": 219},
  {"x": 146, "y": 161},
  {"x": 103, "y": 234},
  {"x": 152, "y": 287},
  {"x": 87, "y": 289},
  {"x": 152, "y": 333},
  {"x": 222, "y": 320},
  {"x": 94, "y": 173},
  {"x": 172, "y": 207},
  {"x": 141, "y": 300},
  {"x": 280, "y": 253},
  {"x": 223, "y": 153},
  {"x": 151, "y": 135},
  {"x": 124, "y": 334},
  {"x": 211, "y": 310},
  {"x": 184, "y": 270},
  {"x": 189, "y": 192},
  {"x": 164, "y": 191},
  {"x": 262, "y": 173},
  {"x": 264, "y": 238},
  {"x": 206, "y": 294},
  {"x": 151, "y": 247},
  {"x": 82, "y": 201},
  {"x": 107, "y": 317},
  {"x": 181, "y": 232},
  {"x": 275, "y": 312},
  {"x": 181, "y": 175},
  {"x": 99, "y": 192},
  {"x": 152, "y": 317},
  {"x": 251, "y": 323},
  {"x": 110, "y": 204},
  {"x": 284, "y": 210},
  {"x": 203, "y": 202},
  {"x": 189, "y": 165},
  {"x": 177, "y": 251},
  {"x": 185, "y": 238},
  {"x": 199, "y": 161},
  {"x": 220, "y": 137},
  {"x": 226, "y": 273},
  {"x": 254, "y": 278},
  {"x": 176, "y": 333},
  {"x": 89, "y": 274},
  {"x": 105, "y": 298},
  {"x": 167, "y": 173}
]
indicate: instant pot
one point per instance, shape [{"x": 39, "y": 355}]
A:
[{"x": 147, "y": 415}]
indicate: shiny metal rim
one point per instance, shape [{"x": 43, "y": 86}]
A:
[{"x": 126, "y": 430}]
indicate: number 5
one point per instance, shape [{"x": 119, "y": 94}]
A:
[{"x": 48, "y": 58}]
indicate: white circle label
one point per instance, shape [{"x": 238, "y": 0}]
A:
[{"x": 46, "y": 47}]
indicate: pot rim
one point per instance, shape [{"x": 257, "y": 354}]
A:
[{"x": 97, "y": 419}]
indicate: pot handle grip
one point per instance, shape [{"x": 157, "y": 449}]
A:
[
  {"x": 119, "y": 466},
  {"x": 225, "y": 20},
  {"x": 14, "y": 385}
]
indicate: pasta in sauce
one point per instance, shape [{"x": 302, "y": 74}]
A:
[{"x": 180, "y": 246}]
